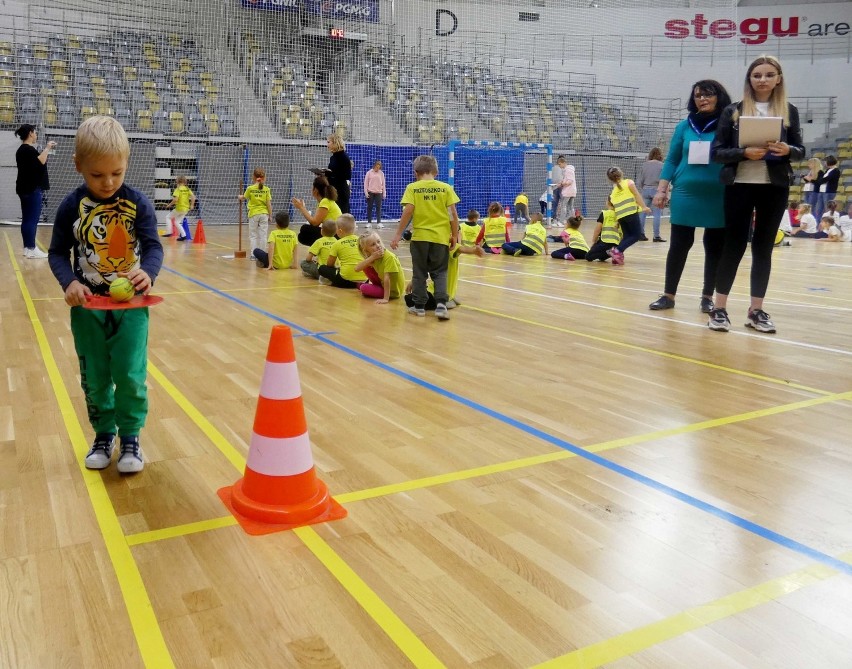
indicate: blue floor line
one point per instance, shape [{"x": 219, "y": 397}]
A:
[{"x": 739, "y": 521}]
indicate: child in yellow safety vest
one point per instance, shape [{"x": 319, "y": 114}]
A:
[
  {"x": 534, "y": 242},
  {"x": 576, "y": 247},
  {"x": 495, "y": 232},
  {"x": 469, "y": 229},
  {"x": 627, "y": 202},
  {"x": 607, "y": 234}
]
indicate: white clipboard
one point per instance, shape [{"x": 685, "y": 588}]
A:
[{"x": 758, "y": 130}]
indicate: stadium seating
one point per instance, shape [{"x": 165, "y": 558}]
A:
[
  {"x": 295, "y": 102},
  {"x": 151, "y": 82}
]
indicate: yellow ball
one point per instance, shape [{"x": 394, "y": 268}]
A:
[{"x": 121, "y": 290}]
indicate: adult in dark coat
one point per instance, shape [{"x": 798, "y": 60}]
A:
[{"x": 30, "y": 186}]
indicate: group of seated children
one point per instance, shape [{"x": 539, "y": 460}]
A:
[{"x": 832, "y": 226}]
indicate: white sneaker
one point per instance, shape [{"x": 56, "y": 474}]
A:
[
  {"x": 442, "y": 313},
  {"x": 368, "y": 226},
  {"x": 100, "y": 454},
  {"x": 380, "y": 225},
  {"x": 35, "y": 253},
  {"x": 324, "y": 282},
  {"x": 130, "y": 461}
]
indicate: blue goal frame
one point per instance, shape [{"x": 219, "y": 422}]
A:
[{"x": 451, "y": 160}]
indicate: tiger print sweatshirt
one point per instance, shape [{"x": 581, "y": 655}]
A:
[{"x": 93, "y": 240}]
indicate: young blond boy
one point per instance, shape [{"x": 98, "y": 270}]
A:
[
  {"x": 320, "y": 249},
  {"x": 281, "y": 246},
  {"x": 430, "y": 205},
  {"x": 469, "y": 229},
  {"x": 183, "y": 200},
  {"x": 111, "y": 345},
  {"x": 345, "y": 252},
  {"x": 259, "y": 208}
]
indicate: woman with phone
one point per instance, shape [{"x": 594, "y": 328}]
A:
[{"x": 757, "y": 185}]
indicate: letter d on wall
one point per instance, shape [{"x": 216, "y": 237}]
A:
[{"x": 438, "y": 14}]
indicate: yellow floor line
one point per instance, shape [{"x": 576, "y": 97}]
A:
[
  {"x": 467, "y": 474},
  {"x": 146, "y": 629},
  {"x": 408, "y": 642},
  {"x": 642, "y": 638},
  {"x": 368, "y": 600},
  {"x": 180, "y": 530},
  {"x": 644, "y": 349}
]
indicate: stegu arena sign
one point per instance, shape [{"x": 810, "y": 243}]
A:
[{"x": 752, "y": 30}]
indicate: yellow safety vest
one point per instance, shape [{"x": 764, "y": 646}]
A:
[
  {"x": 495, "y": 231},
  {"x": 610, "y": 229},
  {"x": 468, "y": 234},
  {"x": 623, "y": 200},
  {"x": 577, "y": 240},
  {"x": 535, "y": 237}
]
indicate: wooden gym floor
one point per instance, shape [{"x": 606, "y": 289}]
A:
[{"x": 556, "y": 477}]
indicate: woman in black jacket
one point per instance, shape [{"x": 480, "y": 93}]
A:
[
  {"x": 30, "y": 186},
  {"x": 826, "y": 186},
  {"x": 339, "y": 171},
  {"x": 757, "y": 182}
]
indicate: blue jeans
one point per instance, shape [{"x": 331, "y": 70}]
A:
[
  {"x": 30, "y": 215},
  {"x": 822, "y": 201},
  {"x": 631, "y": 230},
  {"x": 374, "y": 201},
  {"x": 648, "y": 193}
]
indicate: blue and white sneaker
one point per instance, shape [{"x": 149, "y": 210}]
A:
[
  {"x": 130, "y": 459},
  {"x": 100, "y": 454}
]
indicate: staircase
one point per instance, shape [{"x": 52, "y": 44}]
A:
[{"x": 370, "y": 122}]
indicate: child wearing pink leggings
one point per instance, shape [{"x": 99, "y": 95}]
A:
[{"x": 384, "y": 273}]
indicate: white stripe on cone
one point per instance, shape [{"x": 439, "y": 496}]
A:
[
  {"x": 284, "y": 456},
  {"x": 280, "y": 381}
]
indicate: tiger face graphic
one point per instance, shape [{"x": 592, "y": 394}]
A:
[{"x": 106, "y": 236}]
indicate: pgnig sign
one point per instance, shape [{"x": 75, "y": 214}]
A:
[{"x": 358, "y": 10}]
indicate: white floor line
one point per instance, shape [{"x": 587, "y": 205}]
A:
[
  {"x": 762, "y": 338},
  {"x": 646, "y": 290}
]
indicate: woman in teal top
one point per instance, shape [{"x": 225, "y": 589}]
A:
[{"x": 697, "y": 193}]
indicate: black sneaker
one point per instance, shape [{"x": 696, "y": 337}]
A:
[
  {"x": 719, "y": 320},
  {"x": 643, "y": 238},
  {"x": 706, "y": 305},
  {"x": 760, "y": 321},
  {"x": 659, "y": 239},
  {"x": 664, "y": 302}
]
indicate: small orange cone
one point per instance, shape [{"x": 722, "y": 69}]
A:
[
  {"x": 173, "y": 228},
  {"x": 280, "y": 489},
  {"x": 506, "y": 212},
  {"x": 200, "y": 237},
  {"x": 508, "y": 216}
]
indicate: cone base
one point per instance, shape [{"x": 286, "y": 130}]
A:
[{"x": 257, "y": 518}]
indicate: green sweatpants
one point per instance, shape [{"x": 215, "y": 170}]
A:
[{"x": 112, "y": 347}]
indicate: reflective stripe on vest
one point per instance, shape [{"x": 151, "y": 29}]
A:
[
  {"x": 610, "y": 230},
  {"x": 577, "y": 241},
  {"x": 469, "y": 233},
  {"x": 495, "y": 231},
  {"x": 623, "y": 201},
  {"x": 534, "y": 237}
]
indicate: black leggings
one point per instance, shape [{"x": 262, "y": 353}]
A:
[
  {"x": 681, "y": 239},
  {"x": 308, "y": 234},
  {"x": 768, "y": 203}
]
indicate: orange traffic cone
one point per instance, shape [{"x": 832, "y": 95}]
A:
[
  {"x": 280, "y": 489},
  {"x": 506, "y": 212},
  {"x": 508, "y": 216},
  {"x": 200, "y": 237},
  {"x": 174, "y": 229}
]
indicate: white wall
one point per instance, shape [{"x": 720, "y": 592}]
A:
[{"x": 630, "y": 47}]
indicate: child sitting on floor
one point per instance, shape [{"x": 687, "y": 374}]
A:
[
  {"x": 607, "y": 234},
  {"x": 384, "y": 273},
  {"x": 576, "y": 247},
  {"x": 320, "y": 249},
  {"x": 494, "y": 233},
  {"x": 345, "y": 252},
  {"x": 469, "y": 229},
  {"x": 534, "y": 242},
  {"x": 281, "y": 246}
]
